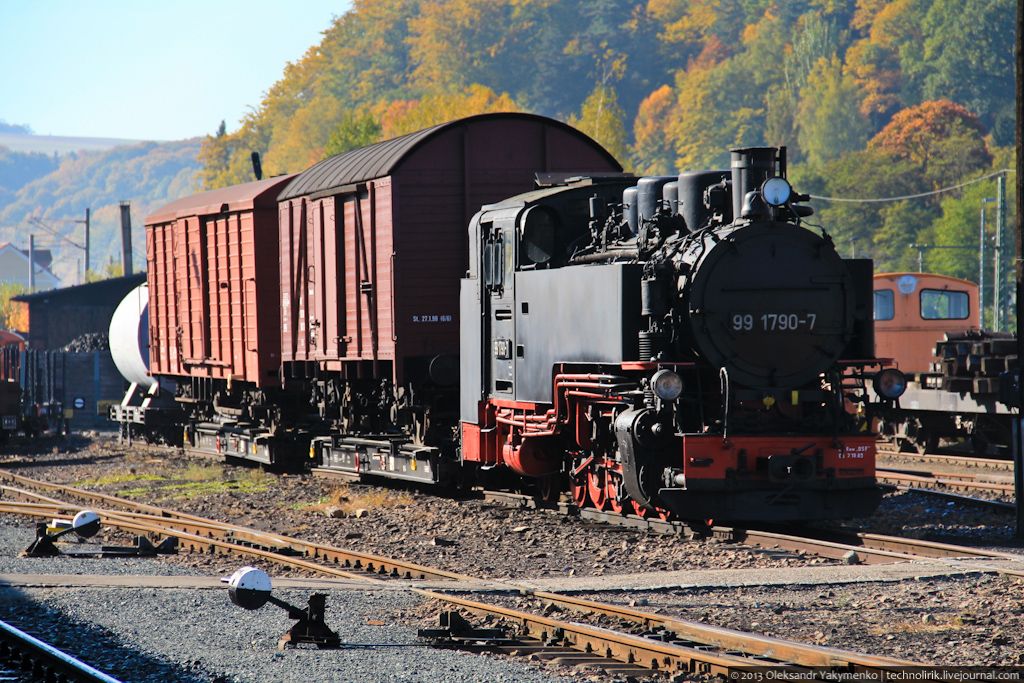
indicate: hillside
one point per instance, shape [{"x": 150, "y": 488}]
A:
[
  {"x": 874, "y": 98},
  {"x": 58, "y": 145},
  {"x": 146, "y": 174}
]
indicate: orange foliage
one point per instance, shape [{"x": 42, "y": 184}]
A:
[
  {"x": 924, "y": 132},
  {"x": 653, "y": 144},
  {"x": 653, "y": 112},
  {"x": 714, "y": 52},
  {"x": 407, "y": 116},
  {"x": 685, "y": 21},
  {"x": 914, "y": 127},
  {"x": 876, "y": 71},
  {"x": 864, "y": 15}
]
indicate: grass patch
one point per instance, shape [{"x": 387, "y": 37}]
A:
[
  {"x": 199, "y": 473},
  {"x": 200, "y": 483},
  {"x": 135, "y": 493},
  {"x": 350, "y": 499}
]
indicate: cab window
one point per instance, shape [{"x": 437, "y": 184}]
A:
[
  {"x": 884, "y": 308},
  {"x": 943, "y": 304}
]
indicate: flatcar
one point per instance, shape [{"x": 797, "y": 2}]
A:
[
  {"x": 679, "y": 345},
  {"x": 930, "y": 325}
]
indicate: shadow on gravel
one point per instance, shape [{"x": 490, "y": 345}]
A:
[
  {"x": 91, "y": 643},
  {"x": 56, "y": 461}
]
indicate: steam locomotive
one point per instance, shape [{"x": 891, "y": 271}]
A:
[
  {"x": 683, "y": 346},
  {"x": 660, "y": 346}
]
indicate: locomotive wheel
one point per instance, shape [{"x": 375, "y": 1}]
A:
[
  {"x": 596, "y": 482},
  {"x": 578, "y": 488}
]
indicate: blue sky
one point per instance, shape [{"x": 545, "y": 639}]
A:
[{"x": 148, "y": 69}]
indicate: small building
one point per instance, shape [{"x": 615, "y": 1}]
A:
[
  {"x": 57, "y": 316},
  {"x": 84, "y": 381},
  {"x": 14, "y": 267}
]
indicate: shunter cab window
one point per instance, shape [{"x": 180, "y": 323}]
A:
[
  {"x": 941, "y": 304},
  {"x": 884, "y": 308}
]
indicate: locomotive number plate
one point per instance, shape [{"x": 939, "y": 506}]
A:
[{"x": 772, "y": 322}]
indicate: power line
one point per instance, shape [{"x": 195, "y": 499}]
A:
[{"x": 914, "y": 196}]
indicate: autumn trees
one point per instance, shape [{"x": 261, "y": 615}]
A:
[{"x": 874, "y": 98}]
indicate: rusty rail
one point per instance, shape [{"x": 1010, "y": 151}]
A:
[
  {"x": 952, "y": 460},
  {"x": 957, "y": 482}
]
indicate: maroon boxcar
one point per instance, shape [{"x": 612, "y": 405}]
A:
[
  {"x": 213, "y": 285},
  {"x": 374, "y": 241}
]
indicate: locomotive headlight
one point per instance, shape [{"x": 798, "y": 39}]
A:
[
  {"x": 667, "y": 385},
  {"x": 776, "y": 191},
  {"x": 890, "y": 383}
]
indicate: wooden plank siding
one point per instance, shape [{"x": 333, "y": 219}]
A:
[{"x": 214, "y": 285}]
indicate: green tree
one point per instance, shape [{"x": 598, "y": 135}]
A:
[
  {"x": 868, "y": 174},
  {"x": 357, "y": 129},
  {"x": 900, "y": 225},
  {"x": 968, "y": 58},
  {"x": 830, "y": 123},
  {"x": 602, "y": 119},
  {"x": 958, "y": 226}
]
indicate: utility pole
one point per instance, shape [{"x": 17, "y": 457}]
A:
[
  {"x": 87, "y": 216},
  {"x": 1018, "y": 436},
  {"x": 32, "y": 263},
  {"x": 126, "y": 238},
  {"x": 981, "y": 267},
  {"x": 35, "y": 220},
  {"x": 997, "y": 285}
]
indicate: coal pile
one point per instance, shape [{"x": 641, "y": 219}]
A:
[{"x": 90, "y": 341}]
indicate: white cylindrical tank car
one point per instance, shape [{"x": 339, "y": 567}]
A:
[{"x": 129, "y": 337}]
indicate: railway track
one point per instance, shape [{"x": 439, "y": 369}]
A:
[
  {"x": 869, "y": 548},
  {"x": 956, "y": 482},
  {"x": 951, "y": 486},
  {"x": 950, "y": 460},
  {"x": 645, "y": 641},
  {"x": 26, "y": 658}
]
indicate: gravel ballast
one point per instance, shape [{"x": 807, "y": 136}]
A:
[
  {"x": 469, "y": 536},
  {"x": 172, "y": 635},
  {"x": 972, "y": 619}
]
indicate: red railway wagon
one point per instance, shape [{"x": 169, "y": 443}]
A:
[
  {"x": 213, "y": 283},
  {"x": 214, "y": 321},
  {"x": 373, "y": 241}
]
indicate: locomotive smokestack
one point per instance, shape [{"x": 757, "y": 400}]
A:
[{"x": 751, "y": 166}]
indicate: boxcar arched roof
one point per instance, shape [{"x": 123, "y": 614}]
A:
[{"x": 382, "y": 158}]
